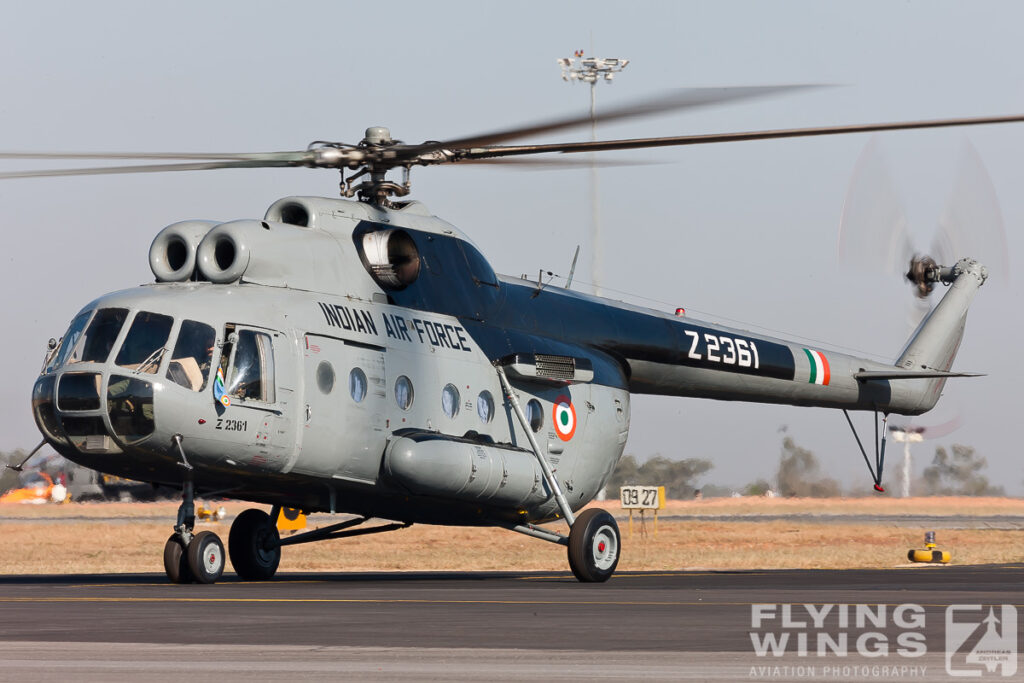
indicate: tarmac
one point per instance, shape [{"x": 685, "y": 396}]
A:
[{"x": 493, "y": 626}]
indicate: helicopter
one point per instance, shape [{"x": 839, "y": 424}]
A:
[{"x": 360, "y": 355}]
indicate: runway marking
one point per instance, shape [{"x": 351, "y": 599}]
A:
[
  {"x": 167, "y": 584},
  {"x": 414, "y": 601},
  {"x": 683, "y": 573}
]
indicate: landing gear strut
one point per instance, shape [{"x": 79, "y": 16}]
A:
[
  {"x": 189, "y": 557},
  {"x": 593, "y": 539}
]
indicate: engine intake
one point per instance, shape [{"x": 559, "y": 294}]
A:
[
  {"x": 224, "y": 252},
  {"x": 172, "y": 256}
]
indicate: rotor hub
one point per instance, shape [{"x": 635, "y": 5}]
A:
[
  {"x": 923, "y": 274},
  {"x": 377, "y": 135}
]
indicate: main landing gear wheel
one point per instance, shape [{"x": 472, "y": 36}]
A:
[
  {"x": 594, "y": 545},
  {"x": 176, "y": 561},
  {"x": 206, "y": 557},
  {"x": 253, "y": 545}
]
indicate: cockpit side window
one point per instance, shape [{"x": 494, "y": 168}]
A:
[
  {"x": 68, "y": 341},
  {"x": 190, "y": 361},
  {"x": 251, "y": 375},
  {"x": 100, "y": 336},
  {"x": 145, "y": 343}
]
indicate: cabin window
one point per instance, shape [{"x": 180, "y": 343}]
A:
[
  {"x": 534, "y": 415},
  {"x": 251, "y": 377},
  {"x": 403, "y": 392},
  {"x": 145, "y": 343},
  {"x": 325, "y": 377},
  {"x": 99, "y": 338},
  {"x": 485, "y": 406},
  {"x": 190, "y": 361},
  {"x": 450, "y": 400},
  {"x": 357, "y": 384}
]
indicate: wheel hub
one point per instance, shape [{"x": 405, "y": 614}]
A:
[{"x": 605, "y": 548}]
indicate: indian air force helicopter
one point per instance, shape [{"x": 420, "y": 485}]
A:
[{"x": 362, "y": 356}]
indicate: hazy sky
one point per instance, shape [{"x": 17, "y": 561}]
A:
[{"x": 735, "y": 232}]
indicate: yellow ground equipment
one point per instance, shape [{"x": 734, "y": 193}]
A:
[
  {"x": 930, "y": 553},
  {"x": 291, "y": 519},
  {"x": 204, "y": 514}
]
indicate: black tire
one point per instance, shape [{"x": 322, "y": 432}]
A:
[
  {"x": 251, "y": 534},
  {"x": 206, "y": 557},
  {"x": 176, "y": 561},
  {"x": 594, "y": 546}
]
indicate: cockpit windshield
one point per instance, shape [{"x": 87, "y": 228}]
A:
[
  {"x": 145, "y": 343},
  {"x": 92, "y": 335},
  {"x": 68, "y": 341},
  {"x": 96, "y": 344}
]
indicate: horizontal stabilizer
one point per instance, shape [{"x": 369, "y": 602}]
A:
[{"x": 866, "y": 375}]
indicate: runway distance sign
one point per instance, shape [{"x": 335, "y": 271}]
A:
[{"x": 642, "y": 497}]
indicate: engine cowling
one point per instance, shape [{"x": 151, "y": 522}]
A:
[
  {"x": 172, "y": 255},
  {"x": 273, "y": 254}
]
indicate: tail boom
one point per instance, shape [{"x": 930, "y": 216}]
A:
[{"x": 807, "y": 377}]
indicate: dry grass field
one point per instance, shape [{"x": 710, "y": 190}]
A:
[{"x": 129, "y": 537}]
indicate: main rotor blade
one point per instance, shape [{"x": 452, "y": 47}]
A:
[
  {"x": 250, "y": 156},
  {"x": 641, "y": 143},
  {"x": 680, "y": 99},
  {"x": 556, "y": 163},
  {"x": 145, "y": 168}
]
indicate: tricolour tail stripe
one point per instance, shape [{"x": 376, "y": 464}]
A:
[{"x": 820, "y": 373}]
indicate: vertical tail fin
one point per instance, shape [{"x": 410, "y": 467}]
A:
[{"x": 934, "y": 343}]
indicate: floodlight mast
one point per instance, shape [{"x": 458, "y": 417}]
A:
[
  {"x": 591, "y": 70},
  {"x": 906, "y": 435}
]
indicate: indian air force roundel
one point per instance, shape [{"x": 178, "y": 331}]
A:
[{"x": 564, "y": 418}]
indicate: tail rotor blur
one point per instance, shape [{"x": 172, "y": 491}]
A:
[{"x": 874, "y": 232}]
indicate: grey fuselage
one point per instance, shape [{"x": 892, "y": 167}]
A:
[{"x": 370, "y": 338}]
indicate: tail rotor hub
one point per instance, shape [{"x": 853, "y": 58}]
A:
[{"x": 923, "y": 274}]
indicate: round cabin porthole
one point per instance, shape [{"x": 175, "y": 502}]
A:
[
  {"x": 450, "y": 400},
  {"x": 325, "y": 377},
  {"x": 485, "y": 406},
  {"x": 357, "y": 385},
  {"x": 403, "y": 392}
]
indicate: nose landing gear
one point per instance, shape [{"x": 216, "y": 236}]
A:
[
  {"x": 189, "y": 557},
  {"x": 206, "y": 557},
  {"x": 176, "y": 560}
]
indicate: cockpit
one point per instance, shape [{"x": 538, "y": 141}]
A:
[{"x": 96, "y": 389}]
